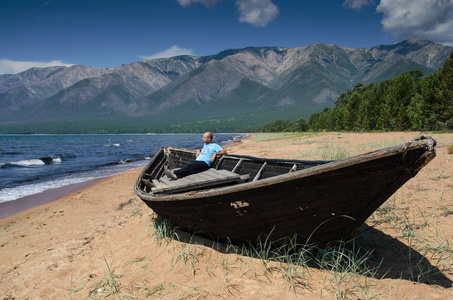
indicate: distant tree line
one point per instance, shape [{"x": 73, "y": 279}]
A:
[
  {"x": 286, "y": 126},
  {"x": 409, "y": 101}
]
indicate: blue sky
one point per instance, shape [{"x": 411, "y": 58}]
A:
[{"x": 108, "y": 33}]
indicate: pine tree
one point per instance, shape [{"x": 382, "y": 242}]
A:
[{"x": 445, "y": 110}]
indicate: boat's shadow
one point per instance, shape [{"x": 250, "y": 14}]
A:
[
  {"x": 389, "y": 257},
  {"x": 397, "y": 260}
]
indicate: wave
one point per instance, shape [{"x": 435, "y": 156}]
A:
[
  {"x": 51, "y": 160},
  {"x": 25, "y": 163},
  {"x": 34, "y": 162},
  {"x": 13, "y": 193},
  {"x": 112, "y": 145},
  {"x": 26, "y": 188}
]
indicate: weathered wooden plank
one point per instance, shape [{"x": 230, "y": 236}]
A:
[
  {"x": 219, "y": 163},
  {"x": 244, "y": 178},
  {"x": 228, "y": 173},
  {"x": 237, "y": 165},
  {"x": 215, "y": 175},
  {"x": 222, "y": 174},
  {"x": 188, "y": 180},
  {"x": 158, "y": 184},
  {"x": 204, "y": 176},
  {"x": 258, "y": 175},
  {"x": 168, "y": 182},
  {"x": 211, "y": 177},
  {"x": 194, "y": 187}
]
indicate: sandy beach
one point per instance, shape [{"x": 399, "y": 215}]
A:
[{"x": 99, "y": 242}]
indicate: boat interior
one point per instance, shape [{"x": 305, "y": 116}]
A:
[{"x": 226, "y": 170}]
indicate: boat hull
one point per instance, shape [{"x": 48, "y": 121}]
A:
[{"x": 323, "y": 203}]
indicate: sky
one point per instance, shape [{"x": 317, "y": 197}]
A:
[{"x": 109, "y": 33}]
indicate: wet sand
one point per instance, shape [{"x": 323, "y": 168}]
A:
[{"x": 11, "y": 208}]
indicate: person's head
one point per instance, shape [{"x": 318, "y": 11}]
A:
[{"x": 207, "y": 137}]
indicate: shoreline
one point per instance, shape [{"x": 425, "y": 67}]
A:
[{"x": 19, "y": 205}]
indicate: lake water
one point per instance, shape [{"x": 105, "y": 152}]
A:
[{"x": 31, "y": 164}]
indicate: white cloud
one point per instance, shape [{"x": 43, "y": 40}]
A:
[
  {"x": 257, "y": 12},
  {"x": 419, "y": 19},
  {"x": 207, "y": 3},
  {"x": 357, "y": 4},
  {"x": 8, "y": 66},
  {"x": 170, "y": 52}
]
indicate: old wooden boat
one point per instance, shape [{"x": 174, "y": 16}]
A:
[{"x": 242, "y": 198}]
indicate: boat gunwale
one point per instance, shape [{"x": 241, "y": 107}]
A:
[{"x": 415, "y": 143}]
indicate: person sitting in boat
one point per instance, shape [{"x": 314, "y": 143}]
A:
[{"x": 204, "y": 158}]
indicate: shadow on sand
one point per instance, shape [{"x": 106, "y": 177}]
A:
[
  {"x": 392, "y": 258},
  {"x": 399, "y": 261}
]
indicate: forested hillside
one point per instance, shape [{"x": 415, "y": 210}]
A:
[
  {"x": 409, "y": 101},
  {"x": 406, "y": 102}
]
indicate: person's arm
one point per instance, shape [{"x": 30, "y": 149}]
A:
[
  {"x": 221, "y": 152},
  {"x": 198, "y": 152}
]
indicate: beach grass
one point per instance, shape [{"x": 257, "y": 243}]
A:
[{"x": 347, "y": 269}]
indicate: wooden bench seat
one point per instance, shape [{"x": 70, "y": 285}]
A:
[{"x": 207, "y": 179}]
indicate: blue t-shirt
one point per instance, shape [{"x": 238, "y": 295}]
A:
[{"x": 207, "y": 152}]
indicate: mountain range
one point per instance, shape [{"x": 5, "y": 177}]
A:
[{"x": 257, "y": 84}]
